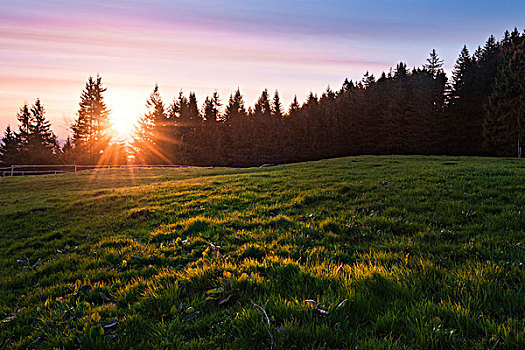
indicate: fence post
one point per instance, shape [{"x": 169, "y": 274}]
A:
[
  {"x": 75, "y": 168},
  {"x": 12, "y": 170}
]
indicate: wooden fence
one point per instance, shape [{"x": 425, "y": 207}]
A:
[{"x": 17, "y": 170}]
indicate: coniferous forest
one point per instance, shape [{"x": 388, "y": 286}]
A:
[{"x": 480, "y": 110}]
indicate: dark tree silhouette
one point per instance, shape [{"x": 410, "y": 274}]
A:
[
  {"x": 150, "y": 135},
  {"x": 262, "y": 108},
  {"x": 277, "y": 107},
  {"x": 9, "y": 152},
  {"x": 434, "y": 64},
  {"x": 211, "y": 108},
  {"x": 235, "y": 112},
  {"x": 504, "y": 125},
  {"x": 405, "y": 111},
  {"x": 42, "y": 145},
  {"x": 34, "y": 143},
  {"x": 91, "y": 129}
]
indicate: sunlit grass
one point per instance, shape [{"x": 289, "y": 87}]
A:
[{"x": 373, "y": 252}]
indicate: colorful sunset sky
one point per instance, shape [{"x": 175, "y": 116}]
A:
[{"x": 48, "y": 49}]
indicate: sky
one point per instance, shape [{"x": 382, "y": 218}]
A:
[{"x": 48, "y": 49}]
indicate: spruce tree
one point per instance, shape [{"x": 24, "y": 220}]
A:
[
  {"x": 347, "y": 86},
  {"x": 459, "y": 73},
  {"x": 490, "y": 48},
  {"x": 461, "y": 125},
  {"x": 235, "y": 111},
  {"x": 234, "y": 131},
  {"x": 211, "y": 108},
  {"x": 504, "y": 125},
  {"x": 434, "y": 64},
  {"x": 42, "y": 143},
  {"x": 182, "y": 105},
  {"x": 24, "y": 125},
  {"x": 401, "y": 70},
  {"x": 174, "y": 108},
  {"x": 277, "y": 107},
  {"x": 207, "y": 110},
  {"x": 328, "y": 94},
  {"x": 148, "y": 139},
  {"x": 262, "y": 108},
  {"x": 294, "y": 106},
  {"x": 24, "y": 130},
  {"x": 91, "y": 130},
  {"x": 368, "y": 79},
  {"x": 9, "y": 152},
  {"x": 192, "y": 109}
]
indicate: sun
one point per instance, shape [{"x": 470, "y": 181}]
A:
[{"x": 123, "y": 123}]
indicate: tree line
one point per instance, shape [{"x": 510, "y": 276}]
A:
[{"x": 479, "y": 111}]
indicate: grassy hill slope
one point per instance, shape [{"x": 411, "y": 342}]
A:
[{"x": 373, "y": 252}]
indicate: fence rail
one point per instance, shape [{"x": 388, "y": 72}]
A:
[{"x": 40, "y": 169}]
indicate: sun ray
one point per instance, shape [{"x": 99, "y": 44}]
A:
[{"x": 123, "y": 122}]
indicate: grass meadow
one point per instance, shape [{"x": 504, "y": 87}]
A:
[{"x": 371, "y": 252}]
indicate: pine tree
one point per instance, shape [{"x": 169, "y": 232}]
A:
[
  {"x": 24, "y": 126},
  {"x": 156, "y": 105},
  {"x": 294, "y": 106},
  {"x": 277, "y": 107},
  {"x": 506, "y": 38},
  {"x": 9, "y": 152},
  {"x": 490, "y": 48},
  {"x": 434, "y": 64},
  {"x": 234, "y": 134},
  {"x": 262, "y": 108},
  {"x": 42, "y": 143},
  {"x": 174, "y": 108},
  {"x": 460, "y": 69},
  {"x": 328, "y": 94},
  {"x": 24, "y": 130},
  {"x": 368, "y": 79},
  {"x": 504, "y": 125},
  {"x": 149, "y": 138},
  {"x": 311, "y": 101},
  {"x": 401, "y": 70},
  {"x": 91, "y": 129},
  {"x": 235, "y": 111},
  {"x": 183, "y": 115},
  {"x": 192, "y": 109},
  {"x": 211, "y": 108},
  {"x": 347, "y": 86},
  {"x": 209, "y": 139},
  {"x": 35, "y": 143}
]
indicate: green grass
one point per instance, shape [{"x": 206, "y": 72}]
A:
[{"x": 366, "y": 252}]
